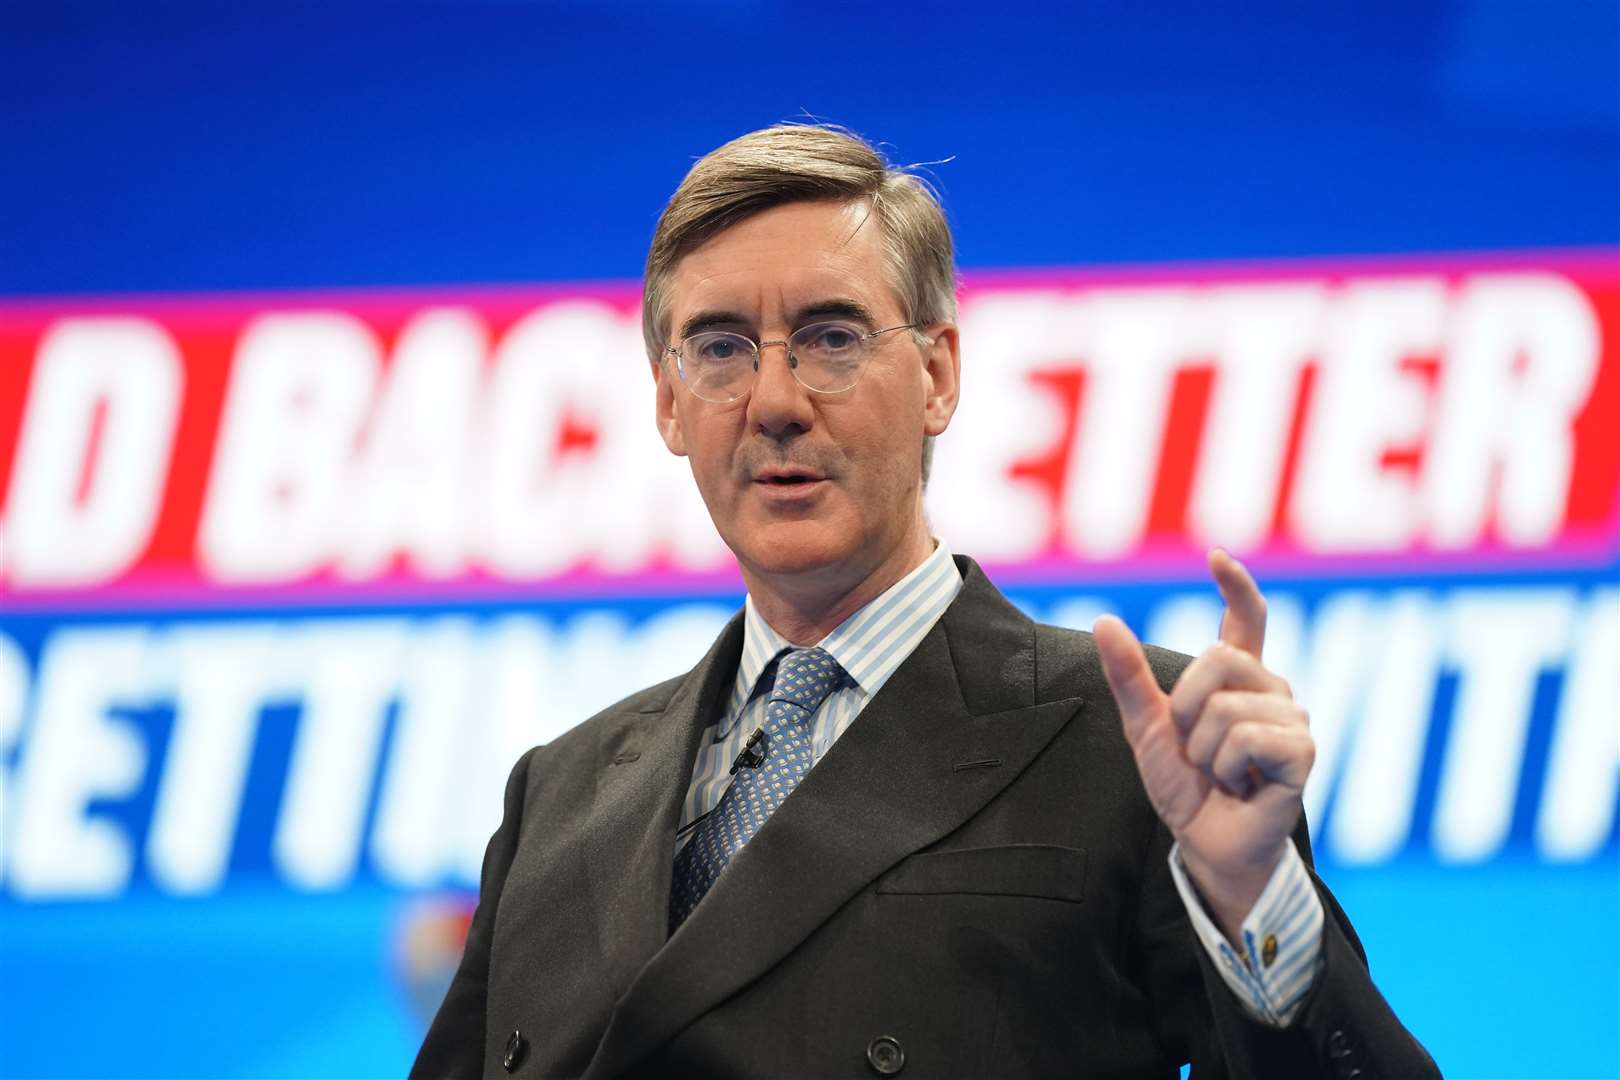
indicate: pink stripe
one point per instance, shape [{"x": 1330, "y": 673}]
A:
[
  {"x": 390, "y": 300},
  {"x": 1155, "y": 564},
  {"x": 1599, "y": 262},
  {"x": 1160, "y": 563},
  {"x": 147, "y": 590}
]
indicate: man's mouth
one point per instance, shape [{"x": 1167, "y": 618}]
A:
[{"x": 787, "y": 478}]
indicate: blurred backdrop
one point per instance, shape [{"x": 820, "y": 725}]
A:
[{"x": 329, "y": 482}]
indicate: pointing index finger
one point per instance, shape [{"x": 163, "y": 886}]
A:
[
  {"x": 1243, "y": 625},
  {"x": 1130, "y": 678}
]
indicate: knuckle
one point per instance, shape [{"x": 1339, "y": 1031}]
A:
[
  {"x": 1234, "y": 659},
  {"x": 1230, "y": 707}
]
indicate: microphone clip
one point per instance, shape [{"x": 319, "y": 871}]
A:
[{"x": 752, "y": 755}]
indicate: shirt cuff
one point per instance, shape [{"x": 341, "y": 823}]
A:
[{"x": 1282, "y": 938}]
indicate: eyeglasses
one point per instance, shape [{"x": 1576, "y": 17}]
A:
[{"x": 826, "y": 357}]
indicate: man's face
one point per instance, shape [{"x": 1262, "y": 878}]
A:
[{"x": 800, "y": 482}]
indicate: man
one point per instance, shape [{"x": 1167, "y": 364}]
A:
[{"x": 888, "y": 824}]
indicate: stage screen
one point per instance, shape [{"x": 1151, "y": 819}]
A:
[{"x": 329, "y": 482}]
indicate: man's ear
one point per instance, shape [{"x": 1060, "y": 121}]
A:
[
  {"x": 669, "y": 420},
  {"x": 942, "y": 373}
]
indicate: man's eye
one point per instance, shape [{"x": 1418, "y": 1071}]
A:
[
  {"x": 834, "y": 339},
  {"x": 719, "y": 349}
]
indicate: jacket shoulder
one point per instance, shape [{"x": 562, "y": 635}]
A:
[
  {"x": 653, "y": 699},
  {"x": 588, "y": 733},
  {"x": 1066, "y": 662}
]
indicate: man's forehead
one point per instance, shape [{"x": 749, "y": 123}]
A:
[{"x": 786, "y": 257}]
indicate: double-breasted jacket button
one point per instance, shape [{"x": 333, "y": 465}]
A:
[
  {"x": 885, "y": 1055},
  {"x": 516, "y": 1047},
  {"x": 1339, "y": 1050}
]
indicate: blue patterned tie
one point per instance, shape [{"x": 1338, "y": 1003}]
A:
[{"x": 804, "y": 678}]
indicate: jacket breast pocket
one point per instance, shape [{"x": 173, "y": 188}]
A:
[{"x": 1043, "y": 871}]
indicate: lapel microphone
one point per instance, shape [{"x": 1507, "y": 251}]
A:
[{"x": 752, "y": 756}]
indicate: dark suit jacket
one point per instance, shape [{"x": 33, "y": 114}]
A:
[{"x": 973, "y": 870}]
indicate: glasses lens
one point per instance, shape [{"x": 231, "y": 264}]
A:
[
  {"x": 831, "y": 355},
  {"x": 717, "y": 366}
]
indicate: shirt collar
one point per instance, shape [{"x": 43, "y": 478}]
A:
[{"x": 869, "y": 645}]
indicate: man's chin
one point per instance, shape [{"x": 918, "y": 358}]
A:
[
  {"x": 793, "y": 562},
  {"x": 793, "y": 550}
]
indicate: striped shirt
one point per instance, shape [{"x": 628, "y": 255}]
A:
[
  {"x": 1283, "y": 932},
  {"x": 1282, "y": 939},
  {"x": 869, "y": 645}
]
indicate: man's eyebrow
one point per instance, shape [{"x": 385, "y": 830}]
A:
[
  {"x": 699, "y": 321},
  {"x": 841, "y": 306}
]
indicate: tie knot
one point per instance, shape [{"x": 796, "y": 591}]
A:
[{"x": 804, "y": 677}]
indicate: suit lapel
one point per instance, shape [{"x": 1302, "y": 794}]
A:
[
  {"x": 888, "y": 787},
  {"x": 645, "y": 773}
]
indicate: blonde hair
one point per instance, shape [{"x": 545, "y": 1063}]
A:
[{"x": 790, "y": 163}]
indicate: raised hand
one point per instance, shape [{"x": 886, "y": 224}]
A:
[{"x": 1224, "y": 755}]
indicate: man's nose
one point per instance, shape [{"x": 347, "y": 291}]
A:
[{"x": 779, "y": 405}]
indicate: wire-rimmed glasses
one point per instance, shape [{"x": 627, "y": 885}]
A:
[{"x": 826, "y": 357}]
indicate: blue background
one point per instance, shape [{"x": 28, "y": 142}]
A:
[
  {"x": 172, "y": 146},
  {"x": 184, "y": 147}
]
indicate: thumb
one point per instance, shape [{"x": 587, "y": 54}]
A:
[{"x": 1125, "y": 667}]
